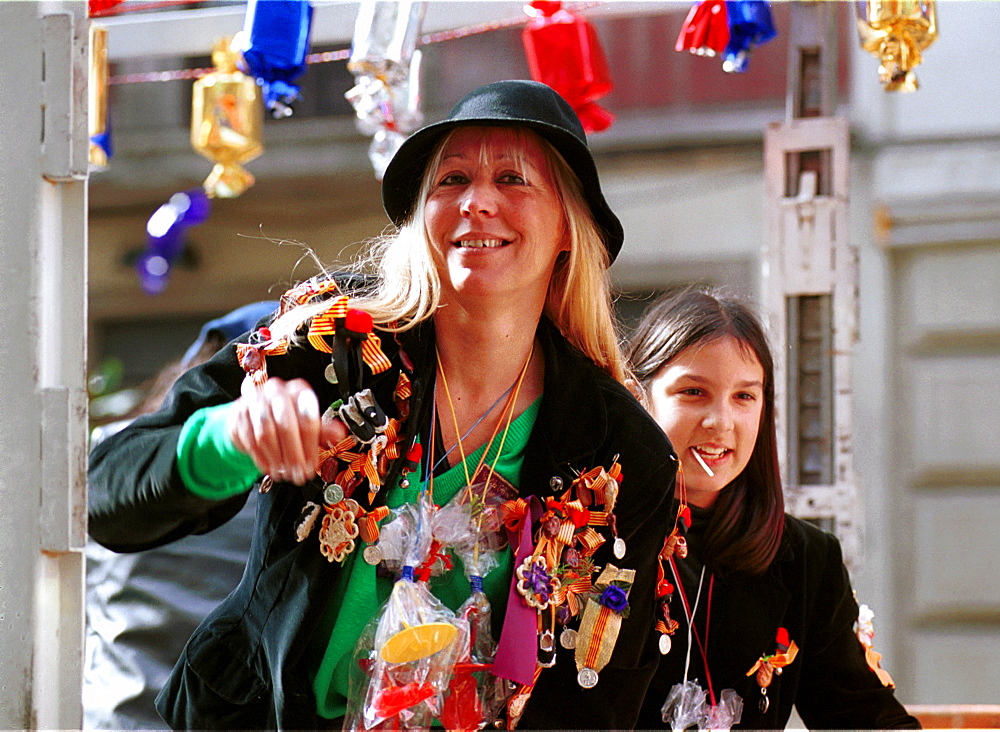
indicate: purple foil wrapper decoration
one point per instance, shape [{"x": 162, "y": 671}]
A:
[{"x": 166, "y": 236}]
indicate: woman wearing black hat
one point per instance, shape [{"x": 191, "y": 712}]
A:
[{"x": 476, "y": 379}]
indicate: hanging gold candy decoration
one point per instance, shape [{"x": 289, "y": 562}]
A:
[
  {"x": 897, "y": 31},
  {"x": 227, "y": 117},
  {"x": 97, "y": 99}
]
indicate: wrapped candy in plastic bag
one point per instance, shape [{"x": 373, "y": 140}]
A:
[
  {"x": 469, "y": 525},
  {"x": 685, "y": 706},
  {"x": 399, "y": 535},
  {"x": 727, "y": 713},
  {"x": 404, "y": 694},
  {"x": 410, "y": 654}
]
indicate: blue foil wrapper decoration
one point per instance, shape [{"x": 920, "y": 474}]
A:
[
  {"x": 166, "y": 236},
  {"x": 750, "y": 25},
  {"x": 275, "y": 47},
  {"x": 103, "y": 139}
]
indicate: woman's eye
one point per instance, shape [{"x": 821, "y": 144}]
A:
[
  {"x": 453, "y": 179},
  {"x": 512, "y": 179},
  {"x": 745, "y": 396},
  {"x": 692, "y": 391}
]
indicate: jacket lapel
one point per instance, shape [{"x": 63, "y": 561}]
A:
[{"x": 559, "y": 445}]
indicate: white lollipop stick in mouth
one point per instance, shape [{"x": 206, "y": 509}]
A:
[{"x": 701, "y": 462}]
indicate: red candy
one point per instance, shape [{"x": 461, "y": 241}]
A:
[{"x": 391, "y": 700}]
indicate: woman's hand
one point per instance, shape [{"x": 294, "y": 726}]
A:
[{"x": 279, "y": 426}]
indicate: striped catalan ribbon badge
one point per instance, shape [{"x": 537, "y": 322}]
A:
[{"x": 601, "y": 623}]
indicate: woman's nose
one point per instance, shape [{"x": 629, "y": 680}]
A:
[
  {"x": 719, "y": 417},
  {"x": 479, "y": 199}
]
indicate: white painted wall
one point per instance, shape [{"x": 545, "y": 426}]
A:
[{"x": 43, "y": 419}]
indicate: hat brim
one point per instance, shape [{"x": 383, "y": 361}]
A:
[{"x": 404, "y": 175}]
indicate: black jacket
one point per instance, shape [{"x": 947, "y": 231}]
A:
[
  {"x": 807, "y": 591},
  {"x": 244, "y": 666}
]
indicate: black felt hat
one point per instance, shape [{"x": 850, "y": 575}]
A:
[{"x": 504, "y": 104}]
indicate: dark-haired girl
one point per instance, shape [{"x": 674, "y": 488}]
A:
[{"x": 757, "y": 611}]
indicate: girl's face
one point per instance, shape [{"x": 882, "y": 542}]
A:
[
  {"x": 494, "y": 217},
  {"x": 709, "y": 400}
]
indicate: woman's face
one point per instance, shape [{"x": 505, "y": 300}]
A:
[
  {"x": 494, "y": 217},
  {"x": 709, "y": 401}
]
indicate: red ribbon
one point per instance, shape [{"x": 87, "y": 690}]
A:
[{"x": 512, "y": 514}]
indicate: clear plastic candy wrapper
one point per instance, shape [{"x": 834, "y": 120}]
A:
[
  {"x": 726, "y": 713},
  {"x": 409, "y": 652},
  {"x": 475, "y": 696},
  {"x": 684, "y": 706},
  {"x": 687, "y": 706}
]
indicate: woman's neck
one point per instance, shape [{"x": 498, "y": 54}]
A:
[{"x": 482, "y": 357}]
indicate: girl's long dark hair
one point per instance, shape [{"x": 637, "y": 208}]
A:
[{"x": 748, "y": 517}]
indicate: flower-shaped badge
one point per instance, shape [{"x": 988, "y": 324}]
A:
[{"x": 535, "y": 583}]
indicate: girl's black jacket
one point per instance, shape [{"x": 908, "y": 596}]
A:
[
  {"x": 245, "y": 665},
  {"x": 806, "y": 591}
]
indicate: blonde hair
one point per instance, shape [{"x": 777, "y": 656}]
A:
[{"x": 408, "y": 288}]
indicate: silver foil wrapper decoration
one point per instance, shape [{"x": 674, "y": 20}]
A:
[{"x": 386, "y": 66}]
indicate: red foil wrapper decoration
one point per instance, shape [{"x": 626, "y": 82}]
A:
[
  {"x": 96, "y": 8},
  {"x": 705, "y": 30},
  {"x": 563, "y": 51}
]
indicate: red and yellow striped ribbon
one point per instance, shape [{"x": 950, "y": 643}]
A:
[
  {"x": 391, "y": 449},
  {"x": 513, "y": 514},
  {"x": 371, "y": 353},
  {"x": 325, "y": 324},
  {"x": 404, "y": 389},
  {"x": 664, "y": 629},
  {"x": 306, "y": 291},
  {"x": 590, "y": 540},
  {"x": 598, "y": 518},
  {"x": 368, "y": 522},
  {"x": 570, "y": 594}
]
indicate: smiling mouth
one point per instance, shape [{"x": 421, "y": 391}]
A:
[
  {"x": 481, "y": 243},
  {"x": 711, "y": 453}
]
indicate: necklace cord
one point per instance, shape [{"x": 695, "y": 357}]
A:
[
  {"x": 508, "y": 410},
  {"x": 692, "y": 628},
  {"x": 475, "y": 424}
]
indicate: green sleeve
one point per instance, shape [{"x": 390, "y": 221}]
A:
[{"x": 208, "y": 461}]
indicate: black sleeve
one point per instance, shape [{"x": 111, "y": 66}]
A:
[
  {"x": 558, "y": 701},
  {"x": 136, "y": 498},
  {"x": 838, "y": 689}
]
